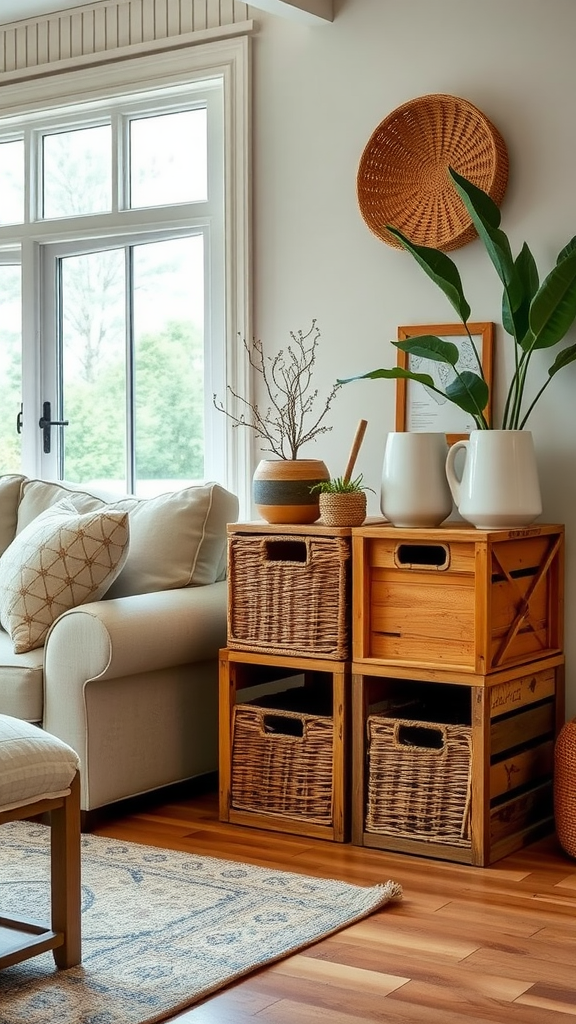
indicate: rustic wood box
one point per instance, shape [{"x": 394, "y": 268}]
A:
[
  {"x": 289, "y": 590},
  {"x": 487, "y": 788},
  {"x": 283, "y": 755},
  {"x": 457, "y": 597}
]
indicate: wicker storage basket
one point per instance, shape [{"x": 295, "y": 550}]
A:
[
  {"x": 416, "y": 791},
  {"x": 282, "y": 763},
  {"x": 565, "y": 787},
  {"x": 403, "y": 173},
  {"x": 289, "y": 594}
]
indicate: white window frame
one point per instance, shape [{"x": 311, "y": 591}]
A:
[{"x": 229, "y": 61}]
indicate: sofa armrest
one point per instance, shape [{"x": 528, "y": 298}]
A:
[
  {"x": 140, "y": 633},
  {"x": 107, "y": 640}
]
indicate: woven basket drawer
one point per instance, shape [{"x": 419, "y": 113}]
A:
[
  {"x": 282, "y": 763},
  {"x": 289, "y": 595},
  {"x": 419, "y": 780}
]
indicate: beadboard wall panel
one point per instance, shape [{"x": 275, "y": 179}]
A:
[{"x": 61, "y": 38}]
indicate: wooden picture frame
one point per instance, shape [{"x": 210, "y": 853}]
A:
[{"x": 418, "y": 409}]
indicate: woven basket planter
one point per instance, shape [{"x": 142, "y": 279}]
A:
[
  {"x": 416, "y": 791},
  {"x": 346, "y": 509},
  {"x": 403, "y": 173},
  {"x": 565, "y": 787}
]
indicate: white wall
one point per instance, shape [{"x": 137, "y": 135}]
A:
[{"x": 318, "y": 94}]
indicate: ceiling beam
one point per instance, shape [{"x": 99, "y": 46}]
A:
[{"x": 310, "y": 12}]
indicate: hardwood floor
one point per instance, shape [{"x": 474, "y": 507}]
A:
[{"x": 482, "y": 945}]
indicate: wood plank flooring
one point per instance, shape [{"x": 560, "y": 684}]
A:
[{"x": 469, "y": 944}]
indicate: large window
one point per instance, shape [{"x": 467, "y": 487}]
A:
[{"x": 115, "y": 232}]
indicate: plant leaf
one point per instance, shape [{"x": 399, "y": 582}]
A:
[
  {"x": 486, "y": 219},
  {"x": 517, "y": 323},
  {"x": 469, "y": 391},
  {"x": 553, "y": 308},
  {"x": 566, "y": 356},
  {"x": 428, "y": 346},
  {"x": 477, "y": 202},
  {"x": 440, "y": 269},
  {"x": 567, "y": 250},
  {"x": 393, "y": 374}
]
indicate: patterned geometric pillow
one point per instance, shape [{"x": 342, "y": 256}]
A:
[{"x": 62, "y": 559}]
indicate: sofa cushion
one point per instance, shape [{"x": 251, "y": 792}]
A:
[
  {"x": 177, "y": 539},
  {"x": 62, "y": 559},
  {"x": 21, "y": 681},
  {"x": 9, "y": 498},
  {"x": 38, "y": 495}
]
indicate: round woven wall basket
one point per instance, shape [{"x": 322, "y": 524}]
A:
[{"x": 403, "y": 177}]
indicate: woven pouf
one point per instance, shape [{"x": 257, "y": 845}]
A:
[{"x": 565, "y": 787}]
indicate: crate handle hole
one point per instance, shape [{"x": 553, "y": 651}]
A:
[
  {"x": 286, "y": 551},
  {"x": 420, "y": 736},
  {"x": 283, "y": 726},
  {"x": 422, "y": 556}
]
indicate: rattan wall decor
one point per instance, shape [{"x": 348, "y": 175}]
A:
[{"x": 402, "y": 176}]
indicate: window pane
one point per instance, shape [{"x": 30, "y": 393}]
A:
[
  {"x": 10, "y": 367},
  {"x": 168, "y": 159},
  {"x": 12, "y": 182},
  {"x": 169, "y": 363},
  {"x": 77, "y": 172},
  {"x": 93, "y": 368}
]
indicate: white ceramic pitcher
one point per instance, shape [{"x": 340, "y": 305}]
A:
[
  {"x": 499, "y": 487},
  {"x": 414, "y": 490}
]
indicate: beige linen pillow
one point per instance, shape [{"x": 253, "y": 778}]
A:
[
  {"x": 38, "y": 495},
  {"x": 177, "y": 539},
  {"x": 62, "y": 559},
  {"x": 10, "y": 485}
]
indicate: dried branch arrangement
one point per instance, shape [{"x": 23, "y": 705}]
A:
[{"x": 291, "y": 419}]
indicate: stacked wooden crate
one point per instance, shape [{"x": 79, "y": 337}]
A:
[
  {"x": 466, "y": 627},
  {"x": 284, "y": 747}
]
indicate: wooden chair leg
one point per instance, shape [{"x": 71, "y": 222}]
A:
[{"x": 65, "y": 877}]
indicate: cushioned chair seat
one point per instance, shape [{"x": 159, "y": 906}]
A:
[
  {"x": 33, "y": 764},
  {"x": 39, "y": 775}
]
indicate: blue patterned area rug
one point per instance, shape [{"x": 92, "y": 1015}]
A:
[{"x": 160, "y": 929}]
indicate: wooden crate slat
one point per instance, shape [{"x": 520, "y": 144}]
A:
[
  {"x": 521, "y": 812},
  {"x": 524, "y": 690},
  {"x": 522, "y": 768},
  {"x": 527, "y": 725}
]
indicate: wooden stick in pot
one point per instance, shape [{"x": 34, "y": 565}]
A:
[{"x": 359, "y": 437}]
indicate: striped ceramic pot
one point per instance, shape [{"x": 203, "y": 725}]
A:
[{"x": 281, "y": 489}]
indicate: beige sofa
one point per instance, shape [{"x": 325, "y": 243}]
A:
[{"x": 129, "y": 681}]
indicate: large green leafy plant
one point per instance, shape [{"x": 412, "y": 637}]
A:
[{"x": 536, "y": 315}]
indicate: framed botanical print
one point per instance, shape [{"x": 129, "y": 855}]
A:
[{"x": 419, "y": 408}]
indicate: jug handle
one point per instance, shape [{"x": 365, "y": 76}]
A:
[{"x": 454, "y": 481}]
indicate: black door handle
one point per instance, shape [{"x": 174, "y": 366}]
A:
[{"x": 46, "y": 422}]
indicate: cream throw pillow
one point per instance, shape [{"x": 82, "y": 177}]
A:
[{"x": 62, "y": 559}]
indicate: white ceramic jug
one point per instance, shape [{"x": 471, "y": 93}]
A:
[
  {"x": 499, "y": 487},
  {"x": 415, "y": 490}
]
